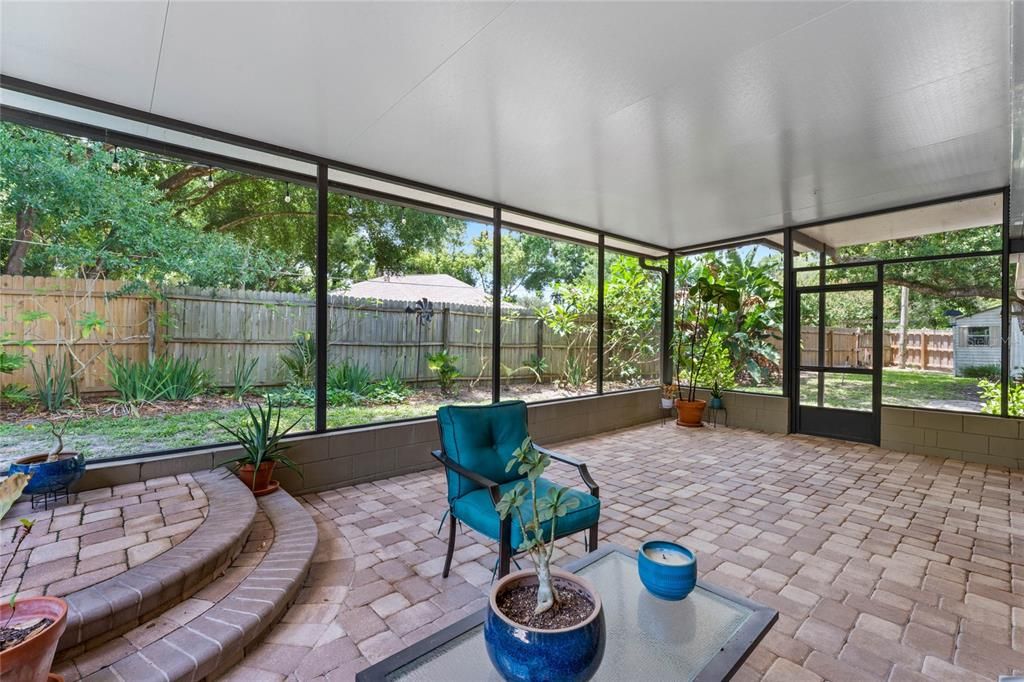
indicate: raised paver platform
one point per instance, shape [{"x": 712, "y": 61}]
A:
[
  {"x": 111, "y": 607},
  {"x": 100, "y": 534},
  {"x": 208, "y": 633}
]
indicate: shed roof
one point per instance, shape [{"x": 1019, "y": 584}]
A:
[{"x": 435, "y": 288}]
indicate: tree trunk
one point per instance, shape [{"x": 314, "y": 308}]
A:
[
  {"x": 546, "y": 596},
  {"x": 25, "y": 231},
  {"x": 904, "y": 311}
]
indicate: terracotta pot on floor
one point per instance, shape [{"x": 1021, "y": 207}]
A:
[
  {"x": 30, "y": 660},
  {"x": 691, "y": 412},
  {"x": 262, "y": 484}
]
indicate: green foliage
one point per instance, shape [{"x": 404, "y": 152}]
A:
[
  {"x": 242, "y": 377},
  {"x": 991, "y": 396},
  {"x": 709, "y": 299},
  {"x": 990, "y": 372},
  {"x": 300, "y": 359},
  {"x": 531, "y": 463},
  {"x": 575, "y": 373},
  {"x": 349, "y": 376},
  {"x": 442, "y": 363},
  {"x": 10, "y": 363},
  {"x": 389, "y": 390},
  {"x": 166, "y": 378},
  {"x": 53, "y": 383},
  {"x": 539, "y": 365},
  {"x": 261, "y": 438},
  {"x": 632, "y": 315}
]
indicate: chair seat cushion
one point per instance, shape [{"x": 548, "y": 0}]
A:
[{"x": 476, "y": 510}]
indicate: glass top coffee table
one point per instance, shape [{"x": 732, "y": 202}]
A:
[{"x": 704, "y": 637}]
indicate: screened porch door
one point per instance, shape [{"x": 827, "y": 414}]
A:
[{"x": 838, "y": 382}]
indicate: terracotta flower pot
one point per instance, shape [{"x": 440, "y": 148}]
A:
[
  {"x": 258, "y": 480},
  {"x": 30, "y": 660},
  {"x": 691, "y": 412}
]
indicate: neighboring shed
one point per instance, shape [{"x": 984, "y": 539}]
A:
[{"x": 976, "y": 341}]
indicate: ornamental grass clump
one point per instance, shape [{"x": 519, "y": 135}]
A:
[{"x": 549, "y": 507}]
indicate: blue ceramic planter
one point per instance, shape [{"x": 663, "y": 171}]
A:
[
  {"x": 49, "y": 477},
  {"x": 522, "y": 654},
  {"x": 667, "y": 570},
  {"x": 715, "y": 403}
]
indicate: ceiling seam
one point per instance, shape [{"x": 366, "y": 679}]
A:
[
  {"x": 159, "y": 55},
  {"x": 431, "y": 73}
]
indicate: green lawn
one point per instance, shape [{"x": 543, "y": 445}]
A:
[{"x": 900, "y": 387}]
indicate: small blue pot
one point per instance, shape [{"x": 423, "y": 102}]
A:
[
  {"x": 522, "y": 654},
  {"x": 671, "y": 581},
  {"x": 715, "y": 403},
  {"x": 49, "y": 477}
]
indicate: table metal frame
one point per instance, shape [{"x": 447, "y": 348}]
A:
[{"x": 722, "y": 667}]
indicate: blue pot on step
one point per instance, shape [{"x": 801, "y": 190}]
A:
[
  {"x": 50, "y": 477},
  {"x": 520, "y": 653}
]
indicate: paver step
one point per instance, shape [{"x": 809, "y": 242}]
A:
[
  {"x": 205, "y": 635},
  {"x": 109, "y": 608}
]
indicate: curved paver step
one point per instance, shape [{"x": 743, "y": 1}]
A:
[
  {"x": 109, "y": 608},
  {"x": 212, "y": 637}
]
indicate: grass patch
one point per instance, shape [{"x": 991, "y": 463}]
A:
[{"x": 900, "y": 387}]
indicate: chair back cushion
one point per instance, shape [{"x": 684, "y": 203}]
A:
[{"x": 482, "y": 439}]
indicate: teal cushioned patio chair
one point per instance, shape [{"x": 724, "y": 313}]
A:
[{"x": 477, "y": 443}]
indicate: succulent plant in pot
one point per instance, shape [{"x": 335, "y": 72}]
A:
[
  {"x": 261, "y": 438},
  {"x": 716, "y": 396},
  {"x": 55, "y": 470},
  {"x": 31, "y": 627},
  {"x": 545, "y": 623}
]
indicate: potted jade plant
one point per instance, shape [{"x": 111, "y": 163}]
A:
[
  {"x": 545, "y": 623},
  {"x": 260, "y": 437},
  {"x": 53, "y": 471},
  {"x": 698, "y": 325},
  {"x": 31, "y": 627}
]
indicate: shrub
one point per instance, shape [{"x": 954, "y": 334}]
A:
[
  {"x": 575, "y": 373},
  {"x": 166, "y": 378},
  {"x": 389, "y": 390},
  {"x": 300, "y": 359},
  {"x": 349, "y": 376},
  {"x": 991, "y": 397},
  {"x": 990, "y": 372},
  {"x": 442, "y": 363},
  {"x": 242, "y": 381},
  {"x": 53, "y": 384}
]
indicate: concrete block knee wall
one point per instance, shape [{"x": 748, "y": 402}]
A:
[{"x": 983, "y": 439}]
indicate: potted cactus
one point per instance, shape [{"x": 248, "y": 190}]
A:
[
  {"x": 546, "y": 619},
  {"x": 55, "y": 470},
  {"x": 31, "y": 627},
  {"x": 260, "y": 437}
]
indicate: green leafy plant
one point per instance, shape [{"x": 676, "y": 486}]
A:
[
  {"x": 350, "y": 376},
  {"x": 389, "y": 390},
  {"x": 539, "y": 365},
  {"x": 10, "y": 363},
  {"x": 261, "y": 438},
  {"x": 442, "y": 363},
  {"x": 548, "y": 509},
  {"x": 166, "y": 378},
  {"x": 575, "y": 373},
  {"x": 991, "y": 397},
  {"x": 242, "y": 381},
  {"x": 709, "y": 299},
  {"x": 300, "y": 359},
  {"x": 716, "y": 391},
  {"x": 53, "y": 383},
  {"x": 990, "y": 372}
]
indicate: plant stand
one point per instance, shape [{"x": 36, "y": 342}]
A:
[
  {"x": 55, "y": 495},
  {"x": 713, "y": 413}
]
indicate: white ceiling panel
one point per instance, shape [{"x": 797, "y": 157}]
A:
[
  {"x": 108, "y": 50},
  {"x": 672, "y": 123}
]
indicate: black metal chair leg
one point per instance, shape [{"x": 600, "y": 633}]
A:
[
  {"x": 592, "y": 545},
  {"x": 451, "y": 545}
]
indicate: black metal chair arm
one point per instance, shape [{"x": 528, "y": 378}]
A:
[
  {"x": 480, "y": 480},
  {"x": 571, "y": 461}
]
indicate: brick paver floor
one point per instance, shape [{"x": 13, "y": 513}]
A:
[
  {"x": 883, "y": 565},
  {"x": 99, "y": 534}
]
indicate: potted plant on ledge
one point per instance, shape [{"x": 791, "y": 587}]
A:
[
  {"x": 29, "y": 628},
  {"x": 545, "y": 623},
  {"x": 260, "y": 437},
  {"x": 709, "y": 300},
  {"x": 54, "y": 471}
]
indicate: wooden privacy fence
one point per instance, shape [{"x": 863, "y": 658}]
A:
[
  {"x": 217, "y": 327},
  {"x": 930, "y": 349}
]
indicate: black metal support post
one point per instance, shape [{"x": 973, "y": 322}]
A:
[
  {"x": 1004, "y": 333},
  {"x": 496, "y": 308},
  {"x": 600, "y": 314},
  {"x": 321, "y": 297},
  {"x": 668, "y": 275}
]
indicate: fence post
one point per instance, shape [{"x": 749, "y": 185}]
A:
[
  {"x": 924, "y": 349},
  {"x": 445, "y": 322},
  {"x": 540, "y": 338},
  {"x": 151, "y": 324}
]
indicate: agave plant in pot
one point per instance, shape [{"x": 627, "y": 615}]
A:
[
  {"x": 30, "y": 627},
  {"x": 544, "y": 624},
  {"x": 261, "y": 439},
  {"x": 708, "y": 301}
]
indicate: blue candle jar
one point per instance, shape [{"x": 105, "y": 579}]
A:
[{"x": 667, "y": 570}]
